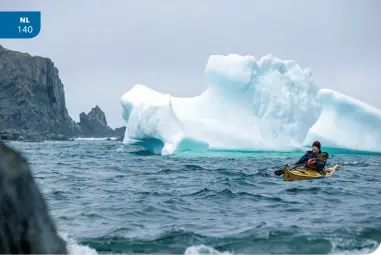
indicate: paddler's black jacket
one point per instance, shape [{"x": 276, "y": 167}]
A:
[{"x": 320, "y": 164}]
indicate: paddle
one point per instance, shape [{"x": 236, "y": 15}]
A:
[
  {"x": 322, "y": 156},
  {"x": 280, "y": 172}
]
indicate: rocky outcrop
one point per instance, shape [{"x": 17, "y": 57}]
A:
[
  {"x": 25, "y": 224},
  {"x": 94, "y": 124},
  {"x": 120, "y": 131},
  {"x": 32, "y": 97}
]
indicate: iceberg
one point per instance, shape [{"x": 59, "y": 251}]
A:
[
  {"x": 255, "y": 105},
  {"x": 346, "y": 123}
]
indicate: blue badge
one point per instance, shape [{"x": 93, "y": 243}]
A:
[{"x": 19, "y": 24}]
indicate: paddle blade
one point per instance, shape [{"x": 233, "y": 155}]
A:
[
  {"x": 323, "y": 156},
  {"x": 279, "y": 172}
]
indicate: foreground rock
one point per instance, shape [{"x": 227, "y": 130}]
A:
[{"x": 25, "y": 226}]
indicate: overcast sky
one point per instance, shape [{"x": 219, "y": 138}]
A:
[{"x": 103, "y": 48}]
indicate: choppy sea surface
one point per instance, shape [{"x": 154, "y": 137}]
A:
[{"x": 107, "y": 197}]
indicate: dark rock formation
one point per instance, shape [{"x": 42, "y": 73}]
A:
[
  {"x": 30, "y": 136},
  {"x": 25, "y": 224},
  {"x": 94, "y": 124},
  {"x": 32, "y": 97},
  {"x": 120, "y": 131},
  {"x": 32, "y": 103}
]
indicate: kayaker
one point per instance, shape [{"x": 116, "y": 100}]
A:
[{"x": 311, "y": 160}]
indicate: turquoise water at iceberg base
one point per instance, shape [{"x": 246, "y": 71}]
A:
[{"x": 107, "y": 197}]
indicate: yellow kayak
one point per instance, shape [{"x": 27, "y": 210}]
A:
[{"x": 306, "y": 174}]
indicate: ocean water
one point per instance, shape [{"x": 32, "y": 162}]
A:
[{"x": 110, "y": 198}]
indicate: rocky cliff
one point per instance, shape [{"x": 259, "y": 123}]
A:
[
  {"x": 26, "y": 226},
  {"x": 32, "y": 97},
  {"x": 32, "y": 102}
]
